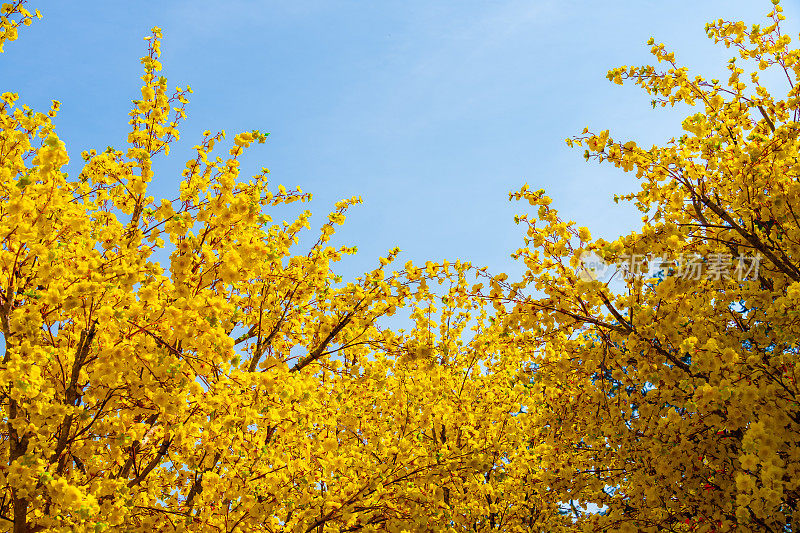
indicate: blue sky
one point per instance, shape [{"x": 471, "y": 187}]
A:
[{"x": 431, "y": 111}]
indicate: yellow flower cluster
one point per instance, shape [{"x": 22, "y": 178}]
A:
[
  {"x": 676, "y": 398},
  {"x": 194, "y": 365}
]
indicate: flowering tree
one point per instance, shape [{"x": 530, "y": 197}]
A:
[
  {"x": 674, "y": 399},
  {"x": 247, "y": 386}
]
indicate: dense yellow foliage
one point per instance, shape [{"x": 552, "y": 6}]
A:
[
  {"x": 674, "y": 398},
  {"x": 247, "y": 387}
]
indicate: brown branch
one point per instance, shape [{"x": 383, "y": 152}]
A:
[
  {"x": 319, "y": 350},
  {"x": 162, "y": 450},
  {"x": 72, "y": 396},
  {"x": 197, "y": 486},
  {"x": 613, "y": 310},
  {"x": 785, "y": 267},
  {"x": 126, "y": 468},
  {"x": 769, "y": 121}
]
